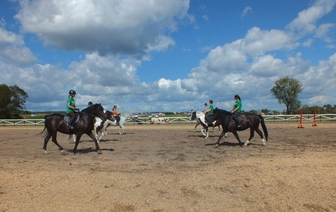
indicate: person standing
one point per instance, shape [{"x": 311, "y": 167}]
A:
[
  {"x": 70, "y": 109},
  {"x": 236, "y": 109}
]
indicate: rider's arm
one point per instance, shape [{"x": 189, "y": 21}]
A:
[{"x": 69, "y": 106}]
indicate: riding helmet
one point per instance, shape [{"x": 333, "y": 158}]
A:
[{"x": 72, "y": 92}]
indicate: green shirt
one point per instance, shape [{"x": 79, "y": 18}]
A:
[
  {"x": 72, "y": 104},
  {"x": 238, "y": 104},
  {"x": 211, "y": 109}
]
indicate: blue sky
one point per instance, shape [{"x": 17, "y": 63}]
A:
[{"x": 167, "y": 55}]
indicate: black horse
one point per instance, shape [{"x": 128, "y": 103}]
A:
[
  {"x": 84, "y": 124},
  {"x": 251, "y": 121}
]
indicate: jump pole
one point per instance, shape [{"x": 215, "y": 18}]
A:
[
  {"x": 300, "y": 124},
  {"x": 314, "y": 123}
]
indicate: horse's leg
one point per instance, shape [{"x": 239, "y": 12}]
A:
[
  {"x": 96, "y": 142},
  {"x": 101, "y": 136},
  {"x": 206, "y": 133},
  {"x": 121, "y": 129},
  {"x": 54, "y": 139},
  {"x": 251, "y": 136},
  {"x": 76, "y": 144},
  {"x": 220, "y": 137},
  {"x": 237, "y": 137},
  {"x": 261, "y": 136},
  {"x": 46, "y": 139},
  {"x": 196, "y": 126},
  {"x": 106, "y": 124}
]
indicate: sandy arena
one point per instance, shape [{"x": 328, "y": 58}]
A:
[{"x": 169, "y": 167}]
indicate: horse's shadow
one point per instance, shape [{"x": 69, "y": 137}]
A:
[
  {"x": 200, "y": 136},
  {"x": 89, "y": 150},
  {"x": 107, "y": 140},
  {"x": 225, "y": 143}
]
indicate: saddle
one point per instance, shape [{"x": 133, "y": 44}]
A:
[
  {"x": 67, "y": 119},
  {"x": 236, "y": 120}
]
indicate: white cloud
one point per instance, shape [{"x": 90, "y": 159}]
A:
[
  {"x": 246, "y": 11},
  {"x": 306, "y": 21},
  {"x": 259, "y": 41},
  {"x": 267, "y": 66},
  {"x": 107, "y": 26},
  {"x": 308, "y": 43},
  {"x": 17, "y": 55},
  {"x": 12, "y": 48},
  {"x": 7, "y": 37}
]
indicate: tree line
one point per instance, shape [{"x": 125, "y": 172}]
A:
[{"x": 285, "y": 90}]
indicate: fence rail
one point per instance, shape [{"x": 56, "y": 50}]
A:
[{"x": 185, "y": 120}]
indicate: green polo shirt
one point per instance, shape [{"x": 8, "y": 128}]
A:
[
  {"x": 238, "y": 104},
  {"x": 72, "y": 104}
]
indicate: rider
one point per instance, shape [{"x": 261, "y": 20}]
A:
[
  {"x": 237, "y": 109},
  {"x": 70, "y": 109},
  {"x": 209, "y": 112},
  {"x": 205, "y": 107},
  {"x": 90, "y": 104},
  {"x": 116, "y": 114}
]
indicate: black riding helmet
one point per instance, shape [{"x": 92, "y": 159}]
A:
[{"x": 72, "y": 92}]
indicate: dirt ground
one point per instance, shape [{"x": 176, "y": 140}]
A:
[{"x": 170, "y": 167}]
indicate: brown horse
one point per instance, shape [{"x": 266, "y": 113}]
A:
[
  {"x": 84, "y": 124},
  {"x": 247, "y": 120}
]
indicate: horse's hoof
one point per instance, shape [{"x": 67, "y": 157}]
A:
[
  {"x": 217, "y": 145},
  {"x": 45, "y": 151},
  {"x": 99, "y": 151}
]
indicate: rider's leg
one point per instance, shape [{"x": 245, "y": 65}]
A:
[
  {"x": 206, "y": 118},
  {"x": 235, "y": 117},
  {"x": 71, "y": 120}
]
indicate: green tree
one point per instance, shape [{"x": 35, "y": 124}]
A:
[
  {"x": 12, "y": 101},
  {"x": 286, "y": 90}
]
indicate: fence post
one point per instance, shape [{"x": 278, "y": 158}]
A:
[
  {"x": 314, "y": 123},
  {"x": 300, "y": 124}
]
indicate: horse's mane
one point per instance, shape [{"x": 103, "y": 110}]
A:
[
  {"x": 95, "y": 106},
  {"x": 221, "y": 111}
]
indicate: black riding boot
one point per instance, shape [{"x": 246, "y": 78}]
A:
[{"x": 70, "y": 123}]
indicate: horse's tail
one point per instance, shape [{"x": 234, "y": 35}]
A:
[
  {"x": 44, "y": 125},
  {"x": 263, "y": 125}
]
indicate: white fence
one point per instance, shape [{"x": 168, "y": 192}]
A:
[{"x": 185, "y": 120}]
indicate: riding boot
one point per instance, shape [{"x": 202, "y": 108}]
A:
[{"x": 70, "y": 123}]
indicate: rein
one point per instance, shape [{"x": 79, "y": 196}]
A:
[{"x": 90, "y": 115}]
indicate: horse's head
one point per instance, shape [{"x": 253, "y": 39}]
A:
[
  {"x": 193, "y": 115},
  {"x": 109, "y": 115},
  {"x": 99, "y": 111},
  {"x": 96, "y": 110}
]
